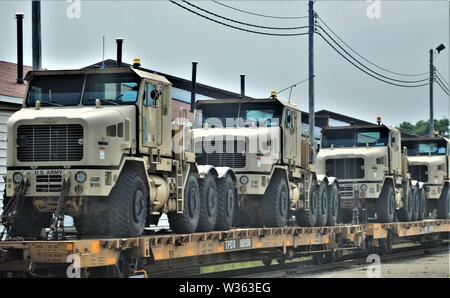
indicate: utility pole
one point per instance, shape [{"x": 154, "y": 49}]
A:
[
  {"x": 36, "y": 34},
  {"x": 431, "y": 93},
  {"x": 312, "y": 117}
]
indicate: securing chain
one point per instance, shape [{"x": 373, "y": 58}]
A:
[
  {"x": 13, "y": 207},
  {"x": 57, "y": 226}
]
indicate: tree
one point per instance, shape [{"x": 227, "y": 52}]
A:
[{"x": 422, "y": 127}]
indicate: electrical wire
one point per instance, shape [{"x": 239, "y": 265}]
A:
[
  {"x": 446, "y": 91},
  {"x": 294, "y": 85},
  {"x": 260, "y": 15},
  {"x": 236, "y": 27},
  {"x": 368, "y": 73},
  {"x": 367, "y": 60},
  {"x": 442, "y": 85},
  {"x": 243, "y": 23},
  {"x": 360, "y": 63},
  {"x": 442, "y": 77}
]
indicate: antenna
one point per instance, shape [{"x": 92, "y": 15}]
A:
[{"x": 103, "y": 60}]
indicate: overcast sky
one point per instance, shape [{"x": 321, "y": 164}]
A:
[{"x": 167, "y": 39}]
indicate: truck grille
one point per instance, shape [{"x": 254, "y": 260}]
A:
[
  {"x": 419, "y": 173},
  {"x": 48, "y": 183},
  {"x": 346, "y": 192},
  {"x": 232, "y": 155},
  {"x": 50, "y": 142},
  {"x": 345, "y": 168}
]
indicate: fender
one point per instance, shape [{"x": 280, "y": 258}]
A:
[
  {"x": 206, "y": 170},
  {"x": 224, "y": 171},
  {"x": 324, "y": 178},
  {"x": 417, "y": 184}
]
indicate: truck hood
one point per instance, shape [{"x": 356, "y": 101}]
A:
[
  {"x": 426, "y": 160},
  {"x": 362, "y": 152}
]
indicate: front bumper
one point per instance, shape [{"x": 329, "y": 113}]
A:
[
  {"x": 48, "y": 182},
  {"x": 256, "y": 183},
  {"x": 351, "y": 191}
]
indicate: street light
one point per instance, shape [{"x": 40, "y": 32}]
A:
[{"x": 439, "y": 49}]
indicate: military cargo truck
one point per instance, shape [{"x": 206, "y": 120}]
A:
[
  {"x": 429, "y": 162},
  {"x": 372, "y": 170},
  {"x": 98, "y": 145},
  {"x": 261, "y": 141}
]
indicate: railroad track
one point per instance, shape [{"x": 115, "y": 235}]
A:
[{"x": 303, "y": 268}]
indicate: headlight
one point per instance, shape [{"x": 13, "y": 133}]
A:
[
  {"x": 17, "y": 178},
  {"x": 363, "y": 187},
  {"x": 243, "y": 180},
  {"x": 80, "y": 177}
]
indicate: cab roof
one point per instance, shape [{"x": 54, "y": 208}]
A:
[
  {"x": 365, "y": 126},
  {"x": 141, "y": 73},
  {"x": 426, "y": 138},
  {"x": 248, "y": 100}
]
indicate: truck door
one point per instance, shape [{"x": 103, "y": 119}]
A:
[
  {"x": 151, "y": 115},
  {"x": 395, "y": 153},
  {"x": 290, "y": 136}
]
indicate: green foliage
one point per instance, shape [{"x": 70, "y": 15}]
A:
[{"x": 422, "y": 127}]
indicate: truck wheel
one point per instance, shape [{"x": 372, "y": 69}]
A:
[
  {"x": 386, "y": 205},
  {"x": 90, "y": 225},
  {"x": 309, "y": 218},
  {"x": 443, "y": 204},
  {"x": 416, "y": 209},
  {"x": 276, "y": 203},
  {"x": 208, "y": 204},
  {"x": 127, "y": 212},
  {"x": 28, "y": 222},
  {"x": 333, "y": 205},
  {"x": 406, "y": 212},
  {"x": 322, "y": 216},
  {"x": 422, "y": 204},
  {"x": 226, "y": 195},
  {"x": 187, "y": 221}
]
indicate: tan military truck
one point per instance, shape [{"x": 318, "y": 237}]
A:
[
  {"x": 372, "y": 171},
  {"x": 98, "y": 145},
  {"x": 429, "y": 162},
  {"x": 261, "y": 141}
]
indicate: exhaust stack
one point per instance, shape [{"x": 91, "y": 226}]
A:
[
  {"x": 242, "y": 85},
  {"x": 19, "y": 17},
  {"x": 119, "y": 42},
  {"x": 36, "y": 34},
  {"x": 194, "y": 85}
]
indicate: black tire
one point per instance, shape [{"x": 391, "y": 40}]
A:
[
  {"x": 405, "y": 213},
  {"x": 187, "y": 221},
  {"x": 128, "y": 206},
  {"x": 267, "y": 262},
  {"x": 443, "y": 204},
  {"x": 423, "y": 205},
  {"x": 276, "y": 203},
  {"x": 416, "y": 209},
  {"x": 28, "y": 222},
  {"x": 226, "y": 201},
  {"x": 87, "y": 225},
  {"x": 386, "y": 205},
  {"x": 333, "y": 205},
  {"x": 208, "y": 204},
  {"x": 309, "y": 218},
  {"x": 322, "y": 216}
]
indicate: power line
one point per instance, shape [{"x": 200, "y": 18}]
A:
[
  {"x": 243, "y": 23},
  {"x": 260, "y": 15},
  {"x": 294, "y": 85},
  {"x": 377, "y": 73},
  {"x": 442, "y": 77},
  {"x": 446, "y": 91},
  {"x": 367, "y": 60},
  {"x": 443, "y": 86},
  {"x": 235, "y": 27},
  {"x": 368, "y": 73}
]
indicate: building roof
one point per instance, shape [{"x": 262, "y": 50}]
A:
[{"x": 8, "y": 84}]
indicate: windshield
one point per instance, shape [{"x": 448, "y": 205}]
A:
[
  {"x": 238, "y": 115},
  {"x": 425, "y": 148},
  {"x": 111, "y": 89},
  {"x": 55, "y": 90},
  {"x": 355, "y": 138}
]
